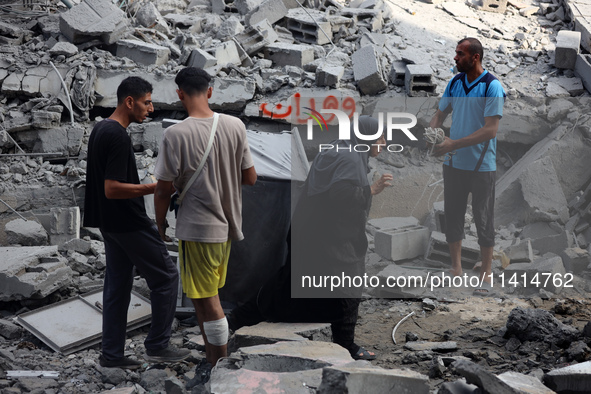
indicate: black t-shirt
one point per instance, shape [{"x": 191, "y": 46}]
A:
[{"x": 110, "y": 156}]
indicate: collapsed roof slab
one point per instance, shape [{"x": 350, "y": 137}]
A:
[{"x": 32, "y": 272}]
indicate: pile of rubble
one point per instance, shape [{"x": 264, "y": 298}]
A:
[{"x": 62, "y": 61}]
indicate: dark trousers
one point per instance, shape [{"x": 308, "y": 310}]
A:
[
  {"x": 145, "y": 250},
  {"x": 457, "y": 185}
]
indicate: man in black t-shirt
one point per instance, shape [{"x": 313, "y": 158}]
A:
[{"x": 114, "y": 203}]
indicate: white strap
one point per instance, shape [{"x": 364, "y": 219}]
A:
[{"x": 216, "y": 117}]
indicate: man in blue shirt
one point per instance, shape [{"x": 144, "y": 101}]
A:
[{"x": 476, "y": 98}]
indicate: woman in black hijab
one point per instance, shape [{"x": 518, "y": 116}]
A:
[{"x": 327, "y": 239}]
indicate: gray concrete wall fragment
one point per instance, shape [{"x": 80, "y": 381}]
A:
[{"x": 93, "y": 19}]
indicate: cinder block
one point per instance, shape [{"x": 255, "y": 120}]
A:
[
  {"x": 142, "y": 52},
  {"x": 93, "y": 19},
  {"x": 329, "y": 75},
  {"x": 289, "y": 55},
  {"x": 521, "y": 252},
  {"x": 367, "y": 71},
  {"x": 499, "y": 6},
  {"x": 582, "y": 70},
  {"x": 266, "y": 29},
  {"x": 308, "y": 30},
  {"x": 397, "y": 73},
  {"x": 567, "y": 49},
  {"x": 227, "y": 53},
  {"x": 372, "y": 19},
  {"x": 200, "y": 58},
  {"x": 418, "y": 80},
  {"x": 438, "y": 250},
  {"x": 401, "y": 244},
  {"x": 46, "y": 119},
  {"x": 252, "y": 40},
  {"x": 575, "y": 260}
]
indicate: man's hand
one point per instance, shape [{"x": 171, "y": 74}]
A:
[
  {"x": 161, "y": 203},
  {"x": 446, "y": 146},
  {"x": 381, "y": 184}
]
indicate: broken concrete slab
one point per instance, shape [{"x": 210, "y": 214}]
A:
[
  {"x": 520, "y": 252},
  {"x": 66, "y": 139},
  {"x": 107, "y": 82},
  {"x": 283, "y": 364},
  {"x": 524, "y": 383},
  {"x": 367, "y": 70},
  {"x": 268, "y": 333},
  {"x": 142, "y": 52},
  {"x": 227, "y": 54},
  {"x": 571, "y": 379},
  {"x": 329, "y": 75},
  {"x": 402, "y": 243},
  {"x": 486, "y": 381},
  {"x": 574, "y": 86},
  {"x": 359, "y": 377},
  {"x": 390, "y": 223},
  {"x": 63, "y": 48},
  {"x": 271, "y": 10},
  {"x": 575, "y": 260},
  {"x": 543, "y": 273},
  {"x": 9, "y": 330},
  {"x": 32, "y": 272},
  {"x": 547, "y": 237},
  {"x": 201, "y": 59},
  {"x": 146, "y": 136},
  {"x": 283, "y": 54},
  {"x": 25, "y": 233},
  {"x": 231, "y": 94},
  {"x": 439, "y": 250},
  {"x": 93, "y": 19}
]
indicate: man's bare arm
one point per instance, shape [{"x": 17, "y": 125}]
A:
[
  {"x": 485, "y": 133},
  {"x": 249, "y": 176},
  {"x": 115, "y": 190},
  {"x": 161, "y": 203},
  {"x": 438, "y": 119}
]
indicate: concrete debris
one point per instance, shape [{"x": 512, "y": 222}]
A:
[
  {"x": 368, "y": 71},
  {"x": 539, "y": 325},
  {"x": 142, "y": 52},
  {"x": 267, "y": 333},
  {"x": 486, "y": 381},
  {"x": 572, "y": 379},
  {"x": 25, "y": 233},
  {"x": 403, "y": 243},
  {"x": 32, "y": 272},
  {"x": 349, "y": 378},
  {"x": 93, "y": 19},
  {"x": 289, "y": 54},
  {"x": 63, "y": 48}
]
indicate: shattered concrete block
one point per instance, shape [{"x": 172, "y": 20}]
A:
[
  {"x": 147, "y": 15},
  {"x": 372, "y": 19},
  {"x": 350, "y": 378},
  {"x": 567, "y": 49},
  {"x": 481, "y": 377},
  {"x": 266, "y": 29},
  {"x": 246, "y": 6},
  {"x": 77, "y": 245},
  {"x": 65, "y": 139},
  {"x": 32, "y": 272},
  {"x": 271, "y": 10},
  {"x": 520, "y": 252},
  {"x": 549, "y": 264},
  {"x": 268, "y": 333},
  {"x": 401, "y": 244},
  {"x": 367, "y": 71},
  {"x": 546, "y": 237},
  {"x": 524, "y": 383},
  {"x": 26, "y": 233},
  {"x": 329, "y": 75},
  {"x": 398, "y": 73},
  {"x": 218, "y": 6},
  {"x": 12, "y": 83},
  {"x": 418, "y": 79},
  {"x": 9, "y": 330},
  {"x": 582, "y": 70},
  {"x": 64, "y": 225},
  {"x": 439, "y": 250},
  {"x": 251, "y": 40},
  {"x": 231, "y": 27},
  {"x": 231, "y": 94},
  {"x": 93, "y": 19},
  {"x": 571, "y": 379},
  {"x": 554, "y": 90},
  {"x": 582, "y": 25},
  {"x": 142, "y": 52},
  {"x": 283, "y": 364},
  {"x": 227, "y": 53},
  {"x": 499, "y": 6},
  {"x": 390, "y": 223},
  {"x": 201, "y": 59},
  {"x": 108, "y": 80},
  {"x": 63, "y": 48},
  {"x": 46, "y": 119},
  {"x": 574, "y": 86},
  {"x": 289, "y": 54},
  {"x": 146, "y": 136},
  {"x": 305, "y": 29},
  {"x": 575, "y": 260}
]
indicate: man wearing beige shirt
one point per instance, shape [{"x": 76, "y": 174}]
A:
[{"x": 210, "y": 215}]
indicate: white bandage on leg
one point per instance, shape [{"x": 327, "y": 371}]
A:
[{"x": 216, "y": 332}]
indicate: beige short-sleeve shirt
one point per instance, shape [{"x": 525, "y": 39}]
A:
[{"x": 211, "y": 210}]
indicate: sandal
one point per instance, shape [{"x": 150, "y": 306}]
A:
[{"x": 363, "y": 354}]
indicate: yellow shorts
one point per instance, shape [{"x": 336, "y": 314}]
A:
[{"x": 203, "y": 267}]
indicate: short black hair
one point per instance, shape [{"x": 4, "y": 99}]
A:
[
  {"x": 135, "y": 87},
  {"x": 475, "y": 46},
  {"x": 193, "y": 80}
]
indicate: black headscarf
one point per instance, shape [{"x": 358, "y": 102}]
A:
[{"x": 332, "y": 166}]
